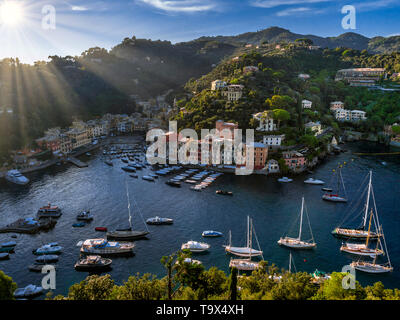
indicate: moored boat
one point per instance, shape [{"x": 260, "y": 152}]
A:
[
  {"x": 49, "y": 211},
  {"x": 173, "y": 183},
  {"x": 211, "y": 233},
  {"x": 244, "y": 264},
  {"x": 313, "y": 181},
  {"x": 4, "y": 255},
  {"x": 85, "y": 216},
  {"x": 104, "y": 247},
  {"x": 29, "y": 291},
  {"x": 92, "y": 263},
  {"x": 48, "y": 249},
  {"x": 102, "y": 229},
  {"x": 158, "y": 221},
  {"x": 371, "y": 267},
  {"x": 47, "y": 258},
  {"x": 285, "y": 179},
  {"x": 16, "y": 177},
  {"x": 225, "y": 193},
  {"x": 195, "y": 246}
]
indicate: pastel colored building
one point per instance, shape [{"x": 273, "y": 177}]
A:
[
  {"x": 218, "y": 84},
  {"x": 273, "y": 142},
  {"x": 266, "y": 123},
  {"x": 221, "y": 125},
  {"x": 335, "y": 105},
  {"x": 306, "y": 104},
  {"x": 294, "y": 160},
  {"x": 233, "y": 92}
]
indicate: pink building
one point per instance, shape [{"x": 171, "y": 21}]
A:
[
  {"x": 221, "y": 125},
  {"x": 294, "y": 160}
]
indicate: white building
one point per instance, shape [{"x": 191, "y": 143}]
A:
[
  {"x": 304, "y": 76},
  {"x": 233, "y": 92},
  {"x": 273, "y": 166},
  {"x": 358, "y": 115},
  {"x": 265, "y": 123},
  {"x": 218, "y": 84},
  {"x": 335, "y": 105},
  {"x": 343, "y": 115},
  {"x": 273, "y": 141},
  {"x": 306, "y": 104},
  {"x": 250, "y": 69}
]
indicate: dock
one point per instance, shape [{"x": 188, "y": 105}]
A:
[
  {"x": 377, "y": 154},
  {"x": 77, "y": 162}
]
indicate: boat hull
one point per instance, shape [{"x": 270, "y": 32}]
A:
[
  {"x": 370, "y": 268},
  {"x": 127, "y": 235},
  {"x": 296, "y": 244},
  {"x": 243, "y": 252},
  {"x": 243, "y": 264},
  {"x": 333, "y": 198},
  {"x": 353, "y": 234}
]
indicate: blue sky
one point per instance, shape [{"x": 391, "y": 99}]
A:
[{"x": 81, "y": 24}]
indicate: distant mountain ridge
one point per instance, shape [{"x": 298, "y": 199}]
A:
[{"x": 349, "y": 40}]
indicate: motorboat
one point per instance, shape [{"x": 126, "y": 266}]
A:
[
  {"x": 51, "y": 248},
  {"x": 333, "y": 197},
  {"x": 327, "y": 189},
  {"x": 16, "y": 177},
  {"x": 226, "y": 193},
  {"x": 38, "y": 266},
  {"x": 6, "y": 249},
  {"x": 211, "y": 233},
  {"x": 195, "y": 189},
  {"x": 195, "y": 246},
  {"x": 102, "y": 229},
  {"x": 79, "y": 225},
  {"x": 8, "y": 244},
  {"x": 4, "y": 255},
  {"x": 173, "y": 183},
  {"x": 128, "y": 169},
  {"x": 158, "y": 221},
  {"x": 148, "y": 178},
  {"x": 313, "y": 181},
  {"x": 134, "y": 176},
  {"x": 92, "y": 263},
  {"x": 244, "y": 264},
  {"x": 109, "y": 163},
  {"x": 285, "y": 179},
  {"x": 85, "y": 216},
  {"x": 49, "y": 211},
  {"x": 29, "y": 291},
  {"x": 104, "y": 247},
  {"x": 297, "y": 243},
  {"x": 47, "y": 258}
]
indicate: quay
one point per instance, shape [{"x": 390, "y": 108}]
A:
[
  {"x": 77, "y": 162},
  {"x": 377, "y": 154},
  {"x": 29, "y": 226}
]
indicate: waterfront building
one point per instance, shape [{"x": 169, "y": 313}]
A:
[
  {"x": 273, "y": 166},
  {"x": 294, "y": 160},
  {"x": 260, "y": 151},
  {"x": 266, "y": 121},
  {"x": 78, "y": 136},
  {"x": 221, "y": 125}
]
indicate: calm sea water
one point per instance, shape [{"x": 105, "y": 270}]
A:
[{"x": 274, "y": 208}]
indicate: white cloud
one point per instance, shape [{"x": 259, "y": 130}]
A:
[
  {"x": 290, "y": 12},
  {"x": 276, "y": 3},
  {"x": 79, "y": 8},
  {"x": 181, "y": 5},
  {"x": 373, "y": 5}
]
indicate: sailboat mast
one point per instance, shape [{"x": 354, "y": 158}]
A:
[
  {"x": 367, "y": 204},
  {"x": 129, "y": 205},
  {"x": 251, "y": 236},
  {"x": 369, "y": 230},
  {"x": 301, "y": 216},
  {"x": 248, "y": 231}
]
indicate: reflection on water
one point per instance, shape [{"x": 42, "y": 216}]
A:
[{"x": 274, "y": 207}]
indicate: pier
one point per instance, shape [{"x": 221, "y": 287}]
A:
[{"x": 77, "y": 162}]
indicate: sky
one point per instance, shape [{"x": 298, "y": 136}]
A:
[{"x": 34, "y": 30}]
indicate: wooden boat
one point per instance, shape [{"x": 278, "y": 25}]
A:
[
  {"x": 359, "y": 233},
  {"x": 104, "y": 247},
  {"x": 371, "y": 267},
  {"x": 297, "y": 243},
  {"x": 247, "y": 251},
  {"x": 102, "y": 229},
  {"x": 93, "y": 263}
]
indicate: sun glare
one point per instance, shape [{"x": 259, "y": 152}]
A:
[{"x": 11, "y": 13}]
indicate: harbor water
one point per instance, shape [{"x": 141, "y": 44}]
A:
[{"x": 273, "y": 206}]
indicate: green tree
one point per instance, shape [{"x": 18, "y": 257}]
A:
[{"x": 7, "y": 287}]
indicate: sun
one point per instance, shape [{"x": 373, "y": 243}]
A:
[{"x": 11, "y": 13}]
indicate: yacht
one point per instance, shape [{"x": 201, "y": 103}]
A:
[
  {"x": 285, "y": 179},
  {"x": 49, "y": 211},
  {"x": 195, "y": 246},
  {"x": 16, "y": 177},
  {"x": 104, "y": 247},
  {"x": 313, "y": 181},
  {"x": 91, "y": 263}
]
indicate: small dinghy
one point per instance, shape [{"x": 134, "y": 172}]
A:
[
  {"x": 85, "y": 216},
  {"x": 211, "y": 233},
  {"x": 51, "y": 248},
  {"x": 8, "y": 244},
  {"x": 47, "y": 258},
  {"x": 134, "y": 176},
  {"x": 313, "y": 181},
  {"x": 128, "y": 169},
  {"x": 38, "y": 266},
  {"x": 91, "y": 263},
  {"x": 29, "y": 291},
  {"x": 159, "y": 221},
  {"x": 285, "y": 179},
  {"x": 4, "y": 256},
  {"x": 225, "y": 193},
  {"x": 327, "y": 189},
  {"x": 173, "y": 183},
  {"x": 79, "y": 225},
  {"x": 148, "y": 178},
  {"x": 6, "y": 249},
  {"x": 102, "y": 229}
]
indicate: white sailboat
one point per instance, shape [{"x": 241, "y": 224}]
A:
[
  {"x": 373, "y": 267},
  {"x": 336, "y": 197},
  {"x": 246, "y": 251},
  {"x": 297, "y": 243},
  {"x": 360, "y": 233}
]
